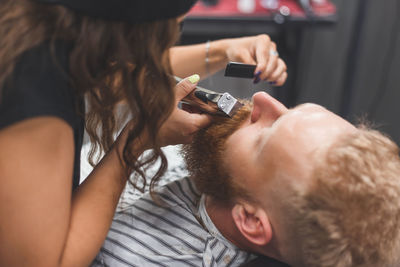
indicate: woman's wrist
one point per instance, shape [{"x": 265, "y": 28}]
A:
[{"x": 217, "y": 56}]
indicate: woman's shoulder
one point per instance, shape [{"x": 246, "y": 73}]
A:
[
  {"x": 40, "y": 85},
  {"x": 44, "y": 65}
]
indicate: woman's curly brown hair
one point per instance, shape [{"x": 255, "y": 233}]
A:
[{"x": 110, "y": 62}]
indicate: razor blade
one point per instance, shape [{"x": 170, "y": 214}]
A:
[{"x": 214, "y": 103}]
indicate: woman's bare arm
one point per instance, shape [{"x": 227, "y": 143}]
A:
[
  {"x": 41, "y": 222},
  {"x": 190, "y": 59},
  {"x": 259, "y": 50}
]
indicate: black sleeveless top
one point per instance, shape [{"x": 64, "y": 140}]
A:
[{"x": 39, "y": 86}]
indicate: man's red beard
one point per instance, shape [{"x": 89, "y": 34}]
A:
[{"x": 204, "y": 157}]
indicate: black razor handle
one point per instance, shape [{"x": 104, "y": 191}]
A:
[{"x": 240, "y": 70}]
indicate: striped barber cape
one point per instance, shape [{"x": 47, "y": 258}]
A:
[{"x": 178, "y": 232}]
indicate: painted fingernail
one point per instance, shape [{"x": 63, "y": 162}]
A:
[
  {"x": 272, "y": 83},
  {"x": 257, "y": 74},
  {"x": 194, "y": 78},
  {"x": 256, "y": 80}
]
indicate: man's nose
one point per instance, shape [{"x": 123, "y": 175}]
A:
[{"x": 266, "y": 107}]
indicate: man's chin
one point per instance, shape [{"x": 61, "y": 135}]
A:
[{"x": 204, "y": 155}]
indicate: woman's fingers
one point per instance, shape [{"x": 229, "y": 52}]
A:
[
  {"x": 186, "y": 86},
  {"x": 282, "y": 79},
  {"x": 181, "y": 125},
  {"x": 263, "y": 45},
  {"x": 278, "y": 71}
]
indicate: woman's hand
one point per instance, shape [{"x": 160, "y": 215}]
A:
[
  {"x": 179, "y": 128},
  {"x": 258, "y": 50},
  {"x": 181, "y": 125}
]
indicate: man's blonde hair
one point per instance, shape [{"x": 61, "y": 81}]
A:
[{"x": 350, "y": 216}]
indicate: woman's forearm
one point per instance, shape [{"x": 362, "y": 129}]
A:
[
  {"x": 94, "y": 204},
  {"x": 203, "y": 59},
  {"x": 92, "y": 210}
]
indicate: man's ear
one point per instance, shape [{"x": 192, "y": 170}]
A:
[{"x": 253, "y": 223}]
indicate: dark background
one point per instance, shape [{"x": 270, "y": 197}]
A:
[{"x": 352, "y": 67}]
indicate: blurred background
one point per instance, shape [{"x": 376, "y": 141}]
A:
[{"x": 342, "y": 54}]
